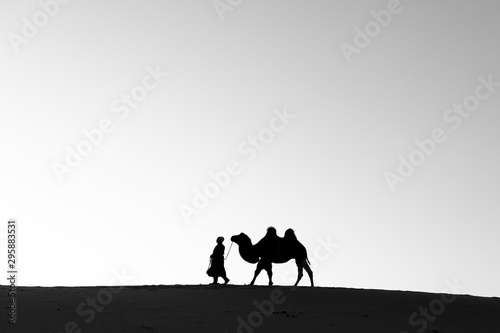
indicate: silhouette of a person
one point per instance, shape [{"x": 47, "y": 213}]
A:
[{"x": 217, "y": 262}]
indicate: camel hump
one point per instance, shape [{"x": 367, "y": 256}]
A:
[
  {"x": 271, "y": 231},
  {"x": 268, "y": 245},
  {"x": 290, "y": 234}
]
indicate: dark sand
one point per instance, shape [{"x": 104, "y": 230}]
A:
[{"x": 202, "y": 308}]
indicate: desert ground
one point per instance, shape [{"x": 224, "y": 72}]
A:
[{"x": 245, "y": 309}]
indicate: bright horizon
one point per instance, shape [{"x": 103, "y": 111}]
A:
[{"x": 135, "y": 133}]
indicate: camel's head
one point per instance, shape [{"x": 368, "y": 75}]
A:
[{"x": 241, "y": 239}]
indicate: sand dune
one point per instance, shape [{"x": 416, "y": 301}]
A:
[{"x": 202, "y": 308}]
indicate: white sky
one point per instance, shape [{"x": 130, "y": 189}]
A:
[{"x": 322, "y": 175}]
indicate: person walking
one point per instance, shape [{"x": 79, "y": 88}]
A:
[{"x": 216, "y": 268}]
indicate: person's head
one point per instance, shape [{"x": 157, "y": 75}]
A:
[{"x": 220, "y": 239}]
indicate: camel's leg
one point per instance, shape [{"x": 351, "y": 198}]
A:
[
  {"x": 299, "y": 269},
  {"x": 309, "y": 272},
  {"x": 260, "y": 267},
  {"x": 269, "y": 270}
]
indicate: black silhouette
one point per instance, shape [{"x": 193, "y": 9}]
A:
[
  {"x": 216, "y": 268},
  {"x": 273, "y": 248}
]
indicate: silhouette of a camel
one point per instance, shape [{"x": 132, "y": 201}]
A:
[{"x": 274, "y": 249}]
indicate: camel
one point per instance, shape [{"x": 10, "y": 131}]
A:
[{"x": 274, "y": 249}]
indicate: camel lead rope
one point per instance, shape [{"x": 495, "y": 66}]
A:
[{"x": 227, "y": 255}]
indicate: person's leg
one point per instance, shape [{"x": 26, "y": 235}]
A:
[{"x": 226, "y": 280}]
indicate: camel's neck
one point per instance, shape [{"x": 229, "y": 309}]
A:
[{"x": 248, "y": 254}]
